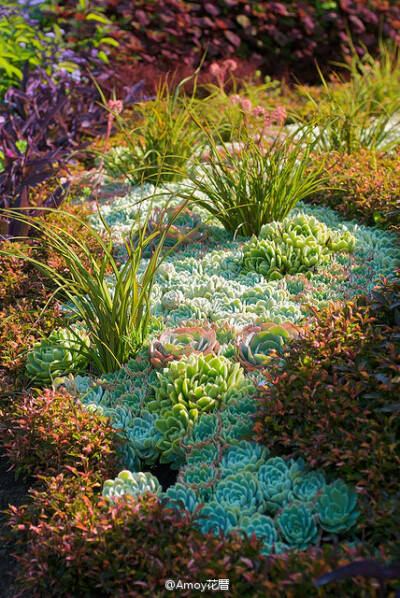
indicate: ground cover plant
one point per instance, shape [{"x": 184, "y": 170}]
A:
[{"x": 200, "y": 375}]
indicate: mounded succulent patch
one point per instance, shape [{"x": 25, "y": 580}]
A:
[
  {"x": 58, "y": 355},
  {"x": 337, "y": 508},
  {"x": 298, "y": 526}
]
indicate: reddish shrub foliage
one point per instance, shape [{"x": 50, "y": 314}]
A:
[
  {"x": 45, "y": 434},
  {"x": 335, "y": 403},
  {"x": 365, "y": 186}
]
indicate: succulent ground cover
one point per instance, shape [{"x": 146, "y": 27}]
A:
[{"x": 200, "y": 376}]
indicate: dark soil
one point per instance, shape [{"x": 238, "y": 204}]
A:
[{"x": 13, "y": 492}]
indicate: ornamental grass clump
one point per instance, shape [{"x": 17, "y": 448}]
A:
[
  {"x": 174, "y": 344},
  {"x": 256, "y": 343},
  {"x": 64, "y": 351},
  {"x": 259, "y": 185},
  {"x": 116, "y": 319}
]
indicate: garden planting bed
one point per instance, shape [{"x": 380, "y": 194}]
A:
[{"x": 200, "y": 365}]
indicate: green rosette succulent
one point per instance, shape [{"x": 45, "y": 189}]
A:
[
  {"x": 298, "y": 526},
  {"x": 276, "y": 478},
  {"x": 240, "y": 491},
  {"x": 142, "y": 435},
  {"x": 263, "y": 527},
  {"x": 182, "y": 497},
  {"x": 308, "y": 486},
  {"x": 134, "y": 484},
  {"x": 243, "y": 456},
  {"x": 200, "y": 383},
  {"x": 215, "y": 518},
  {"x": 205, "y": 429},
  {"x": 172, "y": 426},
  {"x": 255, "y": 343},
  {"x": 174, "y": 344},
  {"x": 61, "y": 353},
  {"x": 337, "y": 508}
]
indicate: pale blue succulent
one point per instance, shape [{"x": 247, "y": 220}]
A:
[
  {"x": 307, "y": 486},
  {"x": 297, "y": 524},
  {"x": 134, "y": 484},
  {"x": 277, "y": 478},
  {"x": 337, "y": 508},
  {"x": 143, "y": 436},
  {"x": 236, "y": 419},
  {"x": 215, "y": 518},
  {"x": 263, "y": 527},
  {"x": 240, "y": 490},
  {"x": 242, "y": 456},
  {"x": 172, "y": 299},
  {"x": 182, "y": 497},
  {"x": 205, "y": 429}
]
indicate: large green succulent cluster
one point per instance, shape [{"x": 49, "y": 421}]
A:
[
  {"x": 295, "y": 245},
  {"x": 174, "y": 344},
  {"x": 187, "y": 389},
  {"x": 256, "y": 343},
  {"x": 58, "y": 355}
]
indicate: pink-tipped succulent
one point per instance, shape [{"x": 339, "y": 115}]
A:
[
  {"x": 174, "y": 344},
  {"x": 256, "y": 343}
]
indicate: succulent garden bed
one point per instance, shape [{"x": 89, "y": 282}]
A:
[{"x": 200, "y": 352}]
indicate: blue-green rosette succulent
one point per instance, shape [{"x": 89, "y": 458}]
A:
[
  {"x": 306, "y": 487},
  {"x": 208, "y": 454},
  {"x": 181, "y": 497},
  {"x": 63, "y": 352},
  {"x": 337, "y": 508},
  {"x": 240, "y": 491},
  {"x": 201, "y": 478},
  {"x": 133, "y": 484},
  {"x": 277, "y": 478},
  {"x": 263, "y": 527},
  {"x": 298, "y": 526},
  {"x": 143, "y": 436},
  {"x": 242, "y": 456},
  {"x": 215, "y": 518}
]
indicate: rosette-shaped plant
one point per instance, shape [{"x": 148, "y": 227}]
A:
[
  {"x": 172, "y": 299},
  {"x": 182, "y": 497},
  {"x": 172, "y": 426},
  {"x": 273, "y": 259},
  {"x": 207, "y": 454},
  {"x": 186, "y": 228},
  {"x": 255, "y": 343},
  {"x": 198, "y": 382},
  {"x": 243, "y": 456},
  {"x": 201, "y": 478},
  {"x": 143, "y": 435},
  {"x": 237, "y": 419},
  {"x": 135, "y": 484},
  {"x": 174, "y": 344},
  {"x": 263, "y": 527},
  {"x": 203, "y": 431},
  {"x": 277, "y": 478},
  {"x": 216, "y": 518},
  {"x": 298, "y": 526},
  {"x": 337, "y": 508},
  {"x": 306, "y": 487},
  {"x": 240, "y": 491},
  {"x": 58, "y": 355}
]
